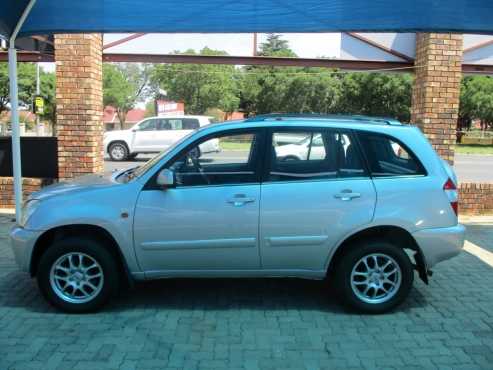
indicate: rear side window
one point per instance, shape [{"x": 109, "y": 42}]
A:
[
  {"x": 190, "y": 124},
  {"x": 388, "y": 157},
  {"x": 317, "y": 154}
]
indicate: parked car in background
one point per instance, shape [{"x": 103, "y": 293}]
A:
[
  {"x": 308, "y": 148},
  {"x": 153, "y": 135},
  {"x": 374, "y": 203}
]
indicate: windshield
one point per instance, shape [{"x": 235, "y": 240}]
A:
[{"x": 139, "y": 171}]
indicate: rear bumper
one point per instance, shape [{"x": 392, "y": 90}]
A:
[
  {"x": 440, "y": 244},
  {"x": 22, "y": 242}
]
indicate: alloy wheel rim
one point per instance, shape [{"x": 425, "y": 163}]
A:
[
  {"x": 117, "y": 152},
  {"x": 376, "y": 278},
  {"x": 76, "y": 277}
]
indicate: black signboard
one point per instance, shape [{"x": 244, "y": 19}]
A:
[{"x": 39, "y": 156}]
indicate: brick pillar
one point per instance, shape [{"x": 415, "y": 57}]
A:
[
  {"x": 79, "y": 104},
  {"x": 435, "y": 98}
]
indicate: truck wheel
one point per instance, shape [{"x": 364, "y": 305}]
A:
[
  {"x": 78, "y": 275},
  {"x": 118, "y": 151},
  {"x": 374, "y": 276}
]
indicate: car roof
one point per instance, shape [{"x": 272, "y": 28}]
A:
[
  {"x": 366, "y": 123},
  {"x": 326, "y": 117}
]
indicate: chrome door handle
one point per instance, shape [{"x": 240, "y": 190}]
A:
[
  {"x": 347, "y": 195},
  {"x": 239, "y": 200}
]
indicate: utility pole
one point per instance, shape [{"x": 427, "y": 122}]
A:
[
  {"x": 255, "y": 44},
  {"x": 38, "y": 124}
]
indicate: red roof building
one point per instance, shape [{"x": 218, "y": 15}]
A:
[{"x": 111, "y": 121}]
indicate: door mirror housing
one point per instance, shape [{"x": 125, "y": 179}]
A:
[{"x": 166, "y": 178}]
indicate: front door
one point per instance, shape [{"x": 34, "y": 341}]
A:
[
  {"x": 313, "y": 196},
  {"x": 208, "y": 222},
  {"x": 144, "y": 136}
]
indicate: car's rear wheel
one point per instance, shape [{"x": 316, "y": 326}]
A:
[
  {"x": 118, "y": 151},
  {"x": 374, "y": 276},
  {"x": 78, "y": 275}
]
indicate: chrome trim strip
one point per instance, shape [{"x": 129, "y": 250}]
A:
[{"x": 199, "y": 244}]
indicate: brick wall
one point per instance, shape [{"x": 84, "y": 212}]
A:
[
  {"x": 29, "y": 186},
  {"x": 435, "y": 98},
  {"x": 475, "y": 198},
  {"x": 79, "y": 104}
]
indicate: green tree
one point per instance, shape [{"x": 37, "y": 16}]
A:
[
  {"x": 199, "y": 86},
  {"x": 124, "y": 84},
  {"x": 319, "y": 90},
  {"x": 150, "y": 108},
  {"x": 378, "y": 94},
  {"x": 275, "y": 46},
  {"x": 47, "y": 91},
  {"x": 26, "y": 75},
  {"x": 476, "y": 99}
]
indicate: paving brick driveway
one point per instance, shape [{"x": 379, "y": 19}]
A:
[{"x": 253, "y": 324}]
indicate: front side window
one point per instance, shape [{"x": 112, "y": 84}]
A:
[
  {"x": 388, "y": 157},
  {"x": 322, "y": 154},
  {"x": 149, "y": 125},
  {"x": 222, "y": 159}
]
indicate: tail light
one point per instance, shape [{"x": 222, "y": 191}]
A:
[{"x": 451, "y": 190}]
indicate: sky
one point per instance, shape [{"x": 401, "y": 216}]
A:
[{"x": 304, "y": 45}]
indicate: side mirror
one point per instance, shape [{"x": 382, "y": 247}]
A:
[{"x": 166, "y": 178}]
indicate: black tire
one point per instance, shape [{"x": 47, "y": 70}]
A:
[
  {"x": 93, "y": 249},
  {"x": 133, "y": 155},
  {"x": 118, "y": 151},
  {"x": 352, "y": 257}
]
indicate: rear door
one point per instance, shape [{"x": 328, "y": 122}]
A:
[{"x": 309, "y": 204}]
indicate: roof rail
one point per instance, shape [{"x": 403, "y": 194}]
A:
[{"x": 281, "y": 116}]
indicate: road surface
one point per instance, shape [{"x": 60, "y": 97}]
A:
[{"x": 469, "y": 168}]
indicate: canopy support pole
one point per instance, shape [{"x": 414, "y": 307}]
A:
[
  {"x": 14, "y": 114},
  {"x": 16, "y": 144}
]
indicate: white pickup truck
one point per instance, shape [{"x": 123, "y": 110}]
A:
[{"x": 153, "y": 135}]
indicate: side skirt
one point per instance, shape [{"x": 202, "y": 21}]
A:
[{"x": 304, "y": 274}]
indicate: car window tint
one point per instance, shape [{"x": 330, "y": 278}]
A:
[
  {"x": 149, "y": 125},
  {"x": 223, "y": 159},
  {"x": 388, "y": 157},
  {"x": 190, "y": 124},
  {"x": 324, "y": 154}
]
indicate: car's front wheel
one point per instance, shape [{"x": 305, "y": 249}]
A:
[
  {"x": 374, "y": 276},
  {"x": 77, "y": 275},
  {"x": 118, "y": 151}
]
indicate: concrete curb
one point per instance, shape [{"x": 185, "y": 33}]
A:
[{"x": 485, "y": 219}]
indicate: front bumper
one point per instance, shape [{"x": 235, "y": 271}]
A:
[
  {"x": 22, "y": 242},
  {"x": 440, "y": 244}
]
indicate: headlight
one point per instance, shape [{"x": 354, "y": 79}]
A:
[{"x": 27, "y": 211}]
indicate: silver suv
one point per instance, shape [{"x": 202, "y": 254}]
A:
[{"x": 360, "y": 201}]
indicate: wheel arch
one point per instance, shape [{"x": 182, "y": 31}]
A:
[
  {"x": 398, "y": 235},
  {"x": 79, "y": 230}
]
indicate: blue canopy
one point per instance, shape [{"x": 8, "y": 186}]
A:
[{"x": 66, "y": 16}]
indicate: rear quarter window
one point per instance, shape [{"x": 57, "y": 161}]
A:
[{"x": 389, "y": 157}]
